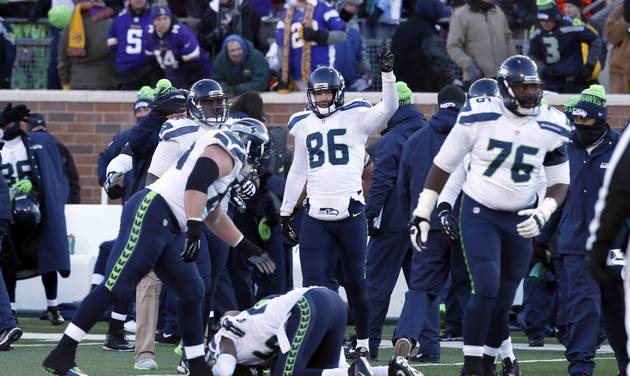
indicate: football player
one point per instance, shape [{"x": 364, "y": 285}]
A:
[
  {"x": 509, "y": 139},
  {"x": 152, "y": 237},
  {"x": 299, "y": 333},
  {"x": 329, "y": 154}
]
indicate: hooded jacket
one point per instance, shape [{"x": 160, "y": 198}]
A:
[
  {"x": 251, "y": 74},
  {"x": 417, "y": 158},
  {"x": 616, "y": 33},
  {"x": 383, "y": 196},
  {"x": 421, "y": 58}
]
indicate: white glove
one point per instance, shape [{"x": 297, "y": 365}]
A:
[
  {"x": 245, "y": 189},
  {"x": 419, "y": 233},
  {"x": 537, "y": 218}
]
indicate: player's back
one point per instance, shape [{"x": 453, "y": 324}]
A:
[
  {"x": 172, "y": 184},
  {"x": 506, "y": 151},
  {"x": 263, "y": 326}
]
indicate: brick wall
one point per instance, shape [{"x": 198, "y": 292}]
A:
[{"x": 87, "y": 127}]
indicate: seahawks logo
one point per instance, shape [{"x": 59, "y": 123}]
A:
[
  {"x": 329, "y": 211},
  {"x": 579, "y": 112}
]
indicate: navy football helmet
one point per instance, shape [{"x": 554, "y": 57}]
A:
[
  {"x": 326, "y": 78},
  {"x": 519, "y": 85},
  {"x": 255, "y": 138},
  {"x": 207, "y": 103},
  {"x": 484, "y": 87},
  {"x": 26, "y": 212}
]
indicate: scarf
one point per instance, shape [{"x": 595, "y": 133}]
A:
[
  {"x": 305, "y": 67},
  {"x": 76, "y": 38}
]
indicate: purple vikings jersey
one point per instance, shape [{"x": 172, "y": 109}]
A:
[
  {"x": 324, "y": 17},
  {"x": 127, "y": 36}
]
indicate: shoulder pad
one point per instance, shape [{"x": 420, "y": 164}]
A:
[
  {"x": 296, "y": 118},
  {"x": 480, "y": 109},
  {"x": 553, "y": 120},
  {"x": 359, "y": 102},
  {"x": 230, "y": 142},
  {"x": 177, "y": 127}
]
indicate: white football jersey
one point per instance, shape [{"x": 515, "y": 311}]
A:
[
  {"x": 172, "y": 184},
  {"x": 330, "y": 152},
  {"x": 506, "y": 151},
  {"x": 15, "y": 163},
  {"x": 263, "y": 326}
]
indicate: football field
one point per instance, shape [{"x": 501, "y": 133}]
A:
[{"x": 40, "y": 337}]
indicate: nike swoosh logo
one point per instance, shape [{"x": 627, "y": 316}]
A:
[{"x": 354, "y": 215}]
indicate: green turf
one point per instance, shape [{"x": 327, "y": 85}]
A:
[{"x": 27, "y": 355}]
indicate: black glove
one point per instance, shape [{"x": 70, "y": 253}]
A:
[
  {"x": 291, "y": 236},
  {"x": 257, "y": 256},
  {"x": 599, "y": 269},
  {"x": 193, "y": 241},
  {"x": 541, "y": 254},
  {"x": 450, "y": 227},
  {"x": 11, "y": 114},
  {"x": 386, "y": 59},
  {"x": 111, "y": 186},
  {"x": 372, "y": 19},
  {"x": 585, "y": 73},
  {"x": 311, "y": 35},
  {"x": 373, "y": 230}
]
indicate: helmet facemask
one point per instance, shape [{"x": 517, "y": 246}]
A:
[
  {"x": 211, "y": 110},
  {"x": 323, "y": 108}
]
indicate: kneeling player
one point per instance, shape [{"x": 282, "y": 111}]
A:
[{"x": 299, "y": 333}]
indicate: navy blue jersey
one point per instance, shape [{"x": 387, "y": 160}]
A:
[
  {"x": 127, "y": 38},
  {"x": 324, "y": 17},
  {"x": 560, "y": 49},
  {"x": 174, "y": 50}
]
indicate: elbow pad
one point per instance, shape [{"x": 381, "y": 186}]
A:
[{"x": 202, "y": 175}]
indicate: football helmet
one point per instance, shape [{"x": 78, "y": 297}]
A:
[
  {"x": 325, "y": 78},
  {"x": 207, "y": 103},
  {"x": 255, "y": 138},
  {"x": 484, "y": 87},
  {"x": 520, "y": 86},
  {"x": 26, "y": 212}
]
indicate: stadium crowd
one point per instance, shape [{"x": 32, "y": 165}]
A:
[
  {"x": 215, "y": 201},
  {"x": 112, "y": 45}
]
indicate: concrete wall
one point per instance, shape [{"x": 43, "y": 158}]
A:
[{"x": 85, "y": 121}]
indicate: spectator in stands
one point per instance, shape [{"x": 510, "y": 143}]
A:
[
  {"x": 224, "y": 17},
  {"x": 240, "y": 67},
  {"x": 383, "y": 17},
  {"x": 479, "y": 39},
  {"x": 7, "y": 54},
  {"x": 421, "y": 58},
  {"x": 351, "y": 60},
  {"x": 38, "y": 243},
  {"x": 556, "y": 46},
  {"x": 59, "y": 17},
  {"x": 36, "y": 123},
  {"x": 126, "y": 41},
  {"x": 176, "y": 49},
  {"x": 83, "y": 56},
  {"x": 304, "y": 36},
  {"x": 617, "y": 33}
]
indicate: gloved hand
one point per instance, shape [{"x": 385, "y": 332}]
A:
[
  {"x": 372, "y": 19},
  {"x": 111, "y": 186},
  {"x": 386, "y": 59},
  {"x": 599, "y": 269},
  {"x": 419, "y": 232},
  {"x": 585, "y": 73},
  {"x": 257, "y": 256},
  {"x": 11, "y": 114},
  {"x": 291, "y": 236},
  {"x": 193, "y": 241},
  {"x": 541, "y": 254},
  {"x": 373, "y": 230},
  {"x": 536, "y": 218},
  {"x": 245, "y": 189},
  {"x": 23, "y": 186},
  {"x": 450, "y": 227},
  {"x": 472, "y": 72},
  {"x": 311, "y": 35}
]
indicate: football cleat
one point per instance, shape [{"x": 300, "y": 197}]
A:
[
  {"x": 54, "y": 315},
  {"x": 424, "y": 358},
  {"x": 145, "y": 363},
  {"x": 400, "y": 367},
  {"x": 182, "y": 367},
  {"x": 7, "y": 337},
  {"x": 358, "y": 352},
  {"x": 361, "y": 366},
  {"x": 402, "y": 347},
  {"x": 60, "y": 362},
  {"x": 117, "y": 341},
  {"x": 509, "y": 368}
]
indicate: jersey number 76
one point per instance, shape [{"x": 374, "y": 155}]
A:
[{"x": 521, "y": 171}]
